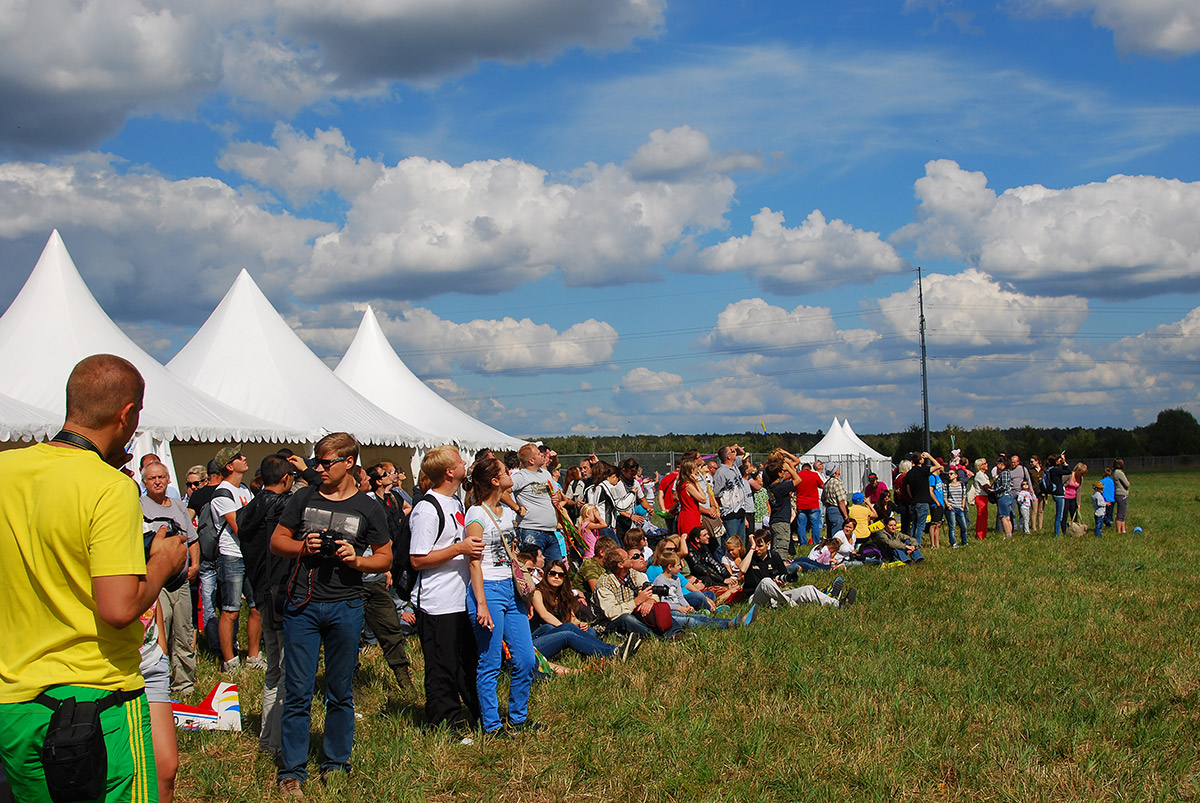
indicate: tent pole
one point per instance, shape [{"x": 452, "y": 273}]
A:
[{"x": 924, "y": 367}]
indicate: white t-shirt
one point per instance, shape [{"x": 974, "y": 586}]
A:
[
  {"x": 495, "y": 562},
  {"x": 228, "y": 545},
  {"x": 440, "y": 589},
  {"x": 532, "y": 489}
]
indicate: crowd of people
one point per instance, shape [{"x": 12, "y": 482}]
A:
[{"x": 501, "y": 565}]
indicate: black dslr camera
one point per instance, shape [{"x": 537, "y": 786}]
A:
[{"x": 329, "y": 544}]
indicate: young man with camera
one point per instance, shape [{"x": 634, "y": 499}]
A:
[{"x": 326, "y": 529}]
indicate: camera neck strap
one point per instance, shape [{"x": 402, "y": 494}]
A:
[{"x": 75, "y": 439}]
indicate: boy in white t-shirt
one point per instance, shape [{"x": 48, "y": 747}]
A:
[{"x": 441, "y": 552}]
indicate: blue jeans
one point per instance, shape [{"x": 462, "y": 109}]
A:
[
  {"x": 735, "y": 525},
  {"x": 901, "y": 555},
  {"x": 920, "y": 512},
  {"x": 1099, "y": 525},
  {"x": 686, "y": 620},
  {"x": 550, "y": 641},
  {"x": 208, "y": 603},
  {"x": 959, "y": 518},
  {"x": 510, "y": 623},
  {"x": 628, "y": 623},
  {"x": 545, "y": 541},
  {"x": 833, "y": 520},
  {"x": 338, "y": 626},
  {"x": 1004, "y": 507},
  {"x": 1060, "y": 503},
  {"x": 808, "y": 525},
  {"x": 699, "y": 599}
]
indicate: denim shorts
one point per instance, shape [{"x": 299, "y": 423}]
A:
[
  {"x": 232, "y": 583},
  {"x": 1005, "y": 506}
]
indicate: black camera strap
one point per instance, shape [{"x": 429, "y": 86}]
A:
[{"x": 75, "y": 439}]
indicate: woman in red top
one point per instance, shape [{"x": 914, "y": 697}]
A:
[{"x": 693, "y": 500}]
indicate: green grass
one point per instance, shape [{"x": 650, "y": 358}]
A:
[{"x": 1038, "y": 669}]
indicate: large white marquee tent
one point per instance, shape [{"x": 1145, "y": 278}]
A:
[
  {"x": 372, "y": 367},
  {"x": 55, "y": 321},
  {"x": 261, "y": 383}
]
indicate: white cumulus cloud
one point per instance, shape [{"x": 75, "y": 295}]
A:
[
  {"x": 1129, "y": 235},
  {"x": 430, "y": 344},
  {"x": 72, "y": 72},
  {"x": 972, "y": 310},
  {"x": 150, "y": 248},
  {"x": 426, "y": 226},
  {"x": 1156, "y": 27},
  {"x": 785, "y": 260},
  {"x": 684, "y": 151}
]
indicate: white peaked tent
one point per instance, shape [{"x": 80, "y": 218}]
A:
[
  {"x": 372, "y": 367},
  {"x": 874, "y": 455},
  {"x": 54, "y": 322},
  {"x": 840, "y": 445},
  {"x": 247, "y": 356},
  {"x": 24, "y": 422}
]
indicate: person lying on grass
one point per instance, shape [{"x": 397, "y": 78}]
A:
[
  {"x": 668, "y": 589},
  {"x": 555, "y": 623},
  {"x": 818, "y": 559},
  {"x": 763, "y": 573}
]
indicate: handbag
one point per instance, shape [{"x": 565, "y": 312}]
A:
[
  {"x": 1075, "y": 528},
  {"x": 521, "y": 580}
]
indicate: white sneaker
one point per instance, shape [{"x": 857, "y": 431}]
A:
[
  {"x": 230, "y": 666},
  {"x": 257, "y": 662}
]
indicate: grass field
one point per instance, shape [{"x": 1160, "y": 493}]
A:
[{"x": 1036, "y": 669}]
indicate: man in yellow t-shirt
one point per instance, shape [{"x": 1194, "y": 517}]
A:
[{"x": 76, "y": 581}]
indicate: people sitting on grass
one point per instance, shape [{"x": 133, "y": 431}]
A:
[
  {"x": 764, "y": 575},
  {"x": 902, "y": 547},
  {"x": 707, "y": 568},
  {"x": 669, "y": 590},
  {"x": 625, "y": 601},
  {"x": 693, "y": 589},
  {"x": 557, "y": 625},
  {"x": 735, "y": 550}
]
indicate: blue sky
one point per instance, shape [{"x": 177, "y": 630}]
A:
[{"x": 640, "y": 216}]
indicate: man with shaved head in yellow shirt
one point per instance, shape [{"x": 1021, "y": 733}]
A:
[{"x": 76, "y": 582}]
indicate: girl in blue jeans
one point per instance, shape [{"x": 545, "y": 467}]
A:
[
  {"x": 497, "y": 614},
  {"x": 556, "y": 626}
]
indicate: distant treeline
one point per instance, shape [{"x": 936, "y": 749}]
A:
[{"x": 1174, "y": 432}]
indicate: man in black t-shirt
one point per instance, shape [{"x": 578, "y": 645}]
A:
[
  {"x": 327, "y": 530},
  {"x": 917, "y": 483}
]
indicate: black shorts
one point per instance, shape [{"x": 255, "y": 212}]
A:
[{"x": 936, "y": 514}]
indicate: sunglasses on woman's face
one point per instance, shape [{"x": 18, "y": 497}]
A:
[
  {"x": 194, "y": 484},
  {"x": 556, "y": 574}
]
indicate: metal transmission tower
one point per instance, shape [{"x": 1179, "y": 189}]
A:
[{"x": 924, "y": 367}]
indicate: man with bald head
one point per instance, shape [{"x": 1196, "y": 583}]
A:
[{"x": 77, "y": 580}]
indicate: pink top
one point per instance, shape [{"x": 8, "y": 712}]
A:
[{"x": 1071, "y": 489}]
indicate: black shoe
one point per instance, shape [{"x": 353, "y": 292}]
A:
[
  {"x": 851, "y": 595},
  {"x": 629, "y": 648},
  {"x": 835, "y": 590},
  {"x": 528, "y": 726}
]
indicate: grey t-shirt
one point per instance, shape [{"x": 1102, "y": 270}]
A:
[{"x": 533, "y": 489}]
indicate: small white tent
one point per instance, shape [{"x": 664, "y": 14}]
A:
[
  {"x": 840, "y": 445},
  {"x": 247, "y": 356},
  {"x": 372, "y": 367},
  {"x": 55, "y": 321}
]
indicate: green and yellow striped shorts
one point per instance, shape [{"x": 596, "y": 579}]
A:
[{"x": 131, "y": 774}]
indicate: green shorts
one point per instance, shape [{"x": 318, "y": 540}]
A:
[{"x": 131, "y": 774}]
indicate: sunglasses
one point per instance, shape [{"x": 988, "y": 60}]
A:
[
  {"x": 325, "y": 464},
  {"x": 556, "y": 574},
  {"x": 194, "y": 484}
]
